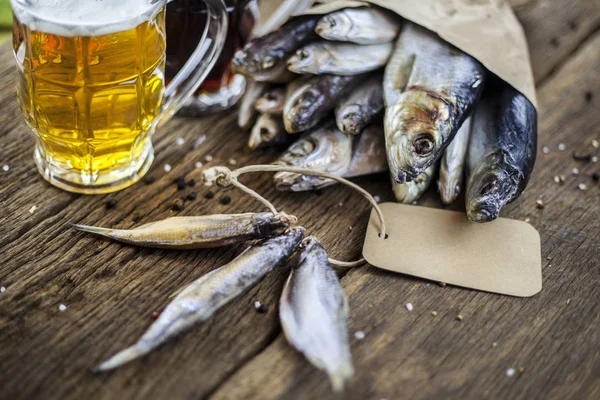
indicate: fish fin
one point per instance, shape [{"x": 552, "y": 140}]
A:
[
  {"x": 94, "y": 229},
  {"x": 339, "y": 377},
  {"x": 397, "y": 75},
  {"x": 121, "y": 358}
]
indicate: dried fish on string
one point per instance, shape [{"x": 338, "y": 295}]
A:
[
  {"x": 502, "y": 151},
  {"x": 412, "y": 191},
  {"x": 313, "y": 99},
  {"x": 339, "y": 58},
  {"x": 271, "y": 102},
  {"x": 199, "y": 232},
  {"x": 314, "y": 314},
  {"x": 365, "y": 25},
  {"x": 357, "y": 109},
  {"x": 264, "y": 58},
  {"x": 430, "y": 87},
  {"x": 453, "y": 164},
  {"x": 268, "y": 131},
  {"x": 202, "y": 298}
]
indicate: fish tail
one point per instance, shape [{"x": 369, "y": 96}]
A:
[
  {"x": 94, "y": 229},
  {"x": 341, "y": 375},
  {"x": 121, "y": 358}
]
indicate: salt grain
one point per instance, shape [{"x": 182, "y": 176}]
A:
[
  {"x": 257, "y": 304},
  {"x": 561, "y": 147},
  {"x": 434, "y": 313},
  {"x": 167, "y": 168},
  {"x": 5, "y": 168},
  {"x": 568, "y": 301},
  {"x": 198, "y": 142},
  {"x": 341, "y": 204},
  {"x": 594, "y": 159},
  {"x": 232, "y": 161},
  {"x": 198, "y": 164},
  {"x": 179, "y": 141},
  {"x": 582, "y": 186},
  {"x": 2, "y": 289},
  {"x": 32, "y": 209},
  {"x": 460, "y": 317},
  {"x": 494, "y": 344},
  {"x": 377, "y": 199},
  {"x": 208, "y": 158},
  {"x": 360, "y": 335},
  {"x": 62, "y": 307},
  {"x": 546, "y": 149},
  {"x": 595, "y": 143},
  {"x": 540, "y": 204},
  {"x": 527, "y": 220},
  {"x": 575, "y": 171},
  {"x": 510, "y": 372},
  {"x": 409, "y": 306}
]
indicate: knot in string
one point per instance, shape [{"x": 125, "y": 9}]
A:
[{"x": 225, "y": 178}]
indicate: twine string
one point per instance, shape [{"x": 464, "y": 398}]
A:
[{"x": 225, "y": 178}]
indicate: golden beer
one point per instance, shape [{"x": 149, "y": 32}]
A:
[{"x": 91, "y": 86}]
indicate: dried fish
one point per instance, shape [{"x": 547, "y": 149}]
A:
[
  {"x": 502, "y": 151},
  {"x": 356, "y": 110},
  {"x": 264, "y": 58},
  {"x": 411, "y": 191},
  {"x": 313, "y": 99},
  {"x": 339, "y": 58},
  {"x": 325, "y": 149},
  {"x": 246, "y": 111},
  {"x": 359, "y": 25},
  {"x": 202, "y": 298},
  {"x": 453, "y": 164},
  {"x": 430, "y": 87},
  {"x": 268, "y": 131},
  {"x": 199, "y": 232},
  {"x": 322, "y": 151},
  {"x": 271, "y": 102},
  {"x": 314, "y": 314}
]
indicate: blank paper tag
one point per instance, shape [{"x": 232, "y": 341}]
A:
[{"x": 503, "y": 256}]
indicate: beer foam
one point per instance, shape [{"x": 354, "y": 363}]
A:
[{"x": 84, "y": 17}]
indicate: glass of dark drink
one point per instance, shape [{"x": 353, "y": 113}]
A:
[{"x": 187, "y": 19}]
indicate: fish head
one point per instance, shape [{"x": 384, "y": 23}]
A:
[
  {"x": 334, "y": 26},
  {"x": 265, "y": 131},
  {"x": 269, "y": 100},
  {"x": 492, "y": 184},
  {"x": 415, "y": 130},
  {"x": 259, "y": 63},
  {"x": 307, "y": 58},
  {"x": 274, "y": 224},
  {"x": 351, "y": 119},
  {"x": 298, "y": 115},
  {"x": 312, "y": 248}
]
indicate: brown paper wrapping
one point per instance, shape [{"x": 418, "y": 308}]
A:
[{"x": 486, "y": 29}]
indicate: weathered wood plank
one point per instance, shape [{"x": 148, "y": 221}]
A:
[
  {"x": 554, "y": 336},
  {"x": 111, "y": 290}
]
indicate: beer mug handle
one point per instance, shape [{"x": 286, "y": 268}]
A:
[{"x": 202, "y": 60}]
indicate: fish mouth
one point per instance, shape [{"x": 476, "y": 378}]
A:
[
  {"x": 483, "y": 212},
  {"x": 405, "y": 176}
]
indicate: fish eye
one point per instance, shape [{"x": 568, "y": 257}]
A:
[
  {"x": 268, "y": 62},
  {"x": 302, "y": 54},
  {"x": 330, "y": 21},
  {"x": 271, "y": 97},
  {"x": 424, "y": 144},
  {"x": 264, "y": 133}
]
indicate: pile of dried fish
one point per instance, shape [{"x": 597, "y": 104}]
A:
[
  {"x": 314, "y": 307},
  {"x": 365, "y": 67}
]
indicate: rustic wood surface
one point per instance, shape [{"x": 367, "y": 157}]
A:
[{"x": 111, "y": 290}]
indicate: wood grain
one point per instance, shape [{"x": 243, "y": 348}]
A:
[{"x": 111, "y": 290}]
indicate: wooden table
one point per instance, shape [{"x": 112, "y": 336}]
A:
[{"x": 111, "y": 290}]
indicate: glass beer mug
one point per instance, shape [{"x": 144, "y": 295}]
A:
[{"x": 92, "y": 87}]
